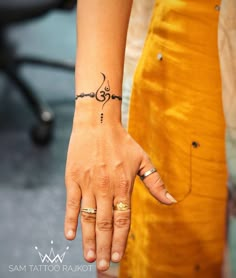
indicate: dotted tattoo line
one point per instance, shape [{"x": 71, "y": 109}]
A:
[{"x": 101, "y": 119}]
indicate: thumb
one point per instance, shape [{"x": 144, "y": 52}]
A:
[{"x": 153, "y": 181}]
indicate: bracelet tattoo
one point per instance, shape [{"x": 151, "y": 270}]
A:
[{"x": 102, "y": 94}]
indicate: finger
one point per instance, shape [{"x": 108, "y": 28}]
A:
[
  {"x": 104, "y": 227},
  {"x": 120, "y": 234},
  {"x": 154, "y": 183},
  {"x": 88, "y": 222},
  {"x": 121, "y": 221},
  {"x": 72, "y": 210}
]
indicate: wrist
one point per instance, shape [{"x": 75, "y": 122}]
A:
[
  {"x": 100, "y": 103},
  {"x": 90, "y": 113}
]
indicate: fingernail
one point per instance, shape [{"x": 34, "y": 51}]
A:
[
  {"x": 115, "y": 256},
  {"x": 70, "y": 233},
  {"x": 90, "y": 254},
  {"x": 103, "y": 264},
  {"x": 171, "y": 198}
]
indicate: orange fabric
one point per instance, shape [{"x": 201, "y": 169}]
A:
[{"x": 177, "y": 101}]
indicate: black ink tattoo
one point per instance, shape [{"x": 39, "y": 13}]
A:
[
  {"x": 101, "y": 118},
  {"x": 85, "y": 95},
  {"x": 102, "y": 94}
]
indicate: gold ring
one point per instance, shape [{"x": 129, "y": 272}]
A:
[
  {"x": 121, "y": 206},
  {"x": 89, "y": 210}
]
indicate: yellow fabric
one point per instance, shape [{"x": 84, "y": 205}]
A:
[{"x": 177, "y": 101}]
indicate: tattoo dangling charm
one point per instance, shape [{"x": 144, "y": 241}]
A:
[
  {"x": 102, "y": 94},
  {"x": 101, "y": 118}
]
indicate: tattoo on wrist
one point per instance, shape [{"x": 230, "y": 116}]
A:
[{"x": 102, "y": 94}]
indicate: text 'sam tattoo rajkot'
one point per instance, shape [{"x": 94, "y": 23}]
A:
[{"x": 102, "y": 94}]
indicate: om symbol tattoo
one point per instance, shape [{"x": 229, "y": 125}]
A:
[{"x": 102, "y": 94}]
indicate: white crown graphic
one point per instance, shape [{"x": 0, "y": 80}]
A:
[{"x": 51, "y": 258}]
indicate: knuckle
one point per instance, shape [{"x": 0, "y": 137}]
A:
[
  {"x": 124, "y": 186},
  {"x": 105, "y": 249},
  {"x": 70, "y": 182},
  {"x": 158, "y": 185},
  {"x": 122, "y": 222},
  {"x": 119, "y": 244},
  {"x": 88, "y": 218},
  {"x": 75, "y": 173},
  {"x": 104, "y": 225},
  {"x": 88, "y": 241},
  {"x": 71, "y": 220},
  {"x": 71, "y": 175},
  {"x": 85, "y": 173},
  {"x": 154, "y": 181},
  {"x": 104, "y": 183},
  {"x": 73, "y": 203}
]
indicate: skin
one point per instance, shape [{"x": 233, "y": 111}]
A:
[{"x": 103, "y": 159}]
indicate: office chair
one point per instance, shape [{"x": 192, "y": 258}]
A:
[{"x": 12, "y": 12}]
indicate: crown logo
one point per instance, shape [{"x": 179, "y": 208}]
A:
[{"x": 51, "y": 258}]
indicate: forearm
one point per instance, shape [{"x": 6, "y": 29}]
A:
[{"x": 101, "y": 38}]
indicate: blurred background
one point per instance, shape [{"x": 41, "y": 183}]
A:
[{"x": 32, "y": 193}]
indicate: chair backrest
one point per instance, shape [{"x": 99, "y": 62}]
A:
[
  {"x": 12, "y": 11},
  {"x": 68, "y": 4}
]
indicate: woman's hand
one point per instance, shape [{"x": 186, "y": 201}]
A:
[{"x": 102, "y": 164}]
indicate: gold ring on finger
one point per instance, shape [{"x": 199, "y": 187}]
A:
[
  {"x": 121, "y": 206},
  {"x": 89, "y": 210}
]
